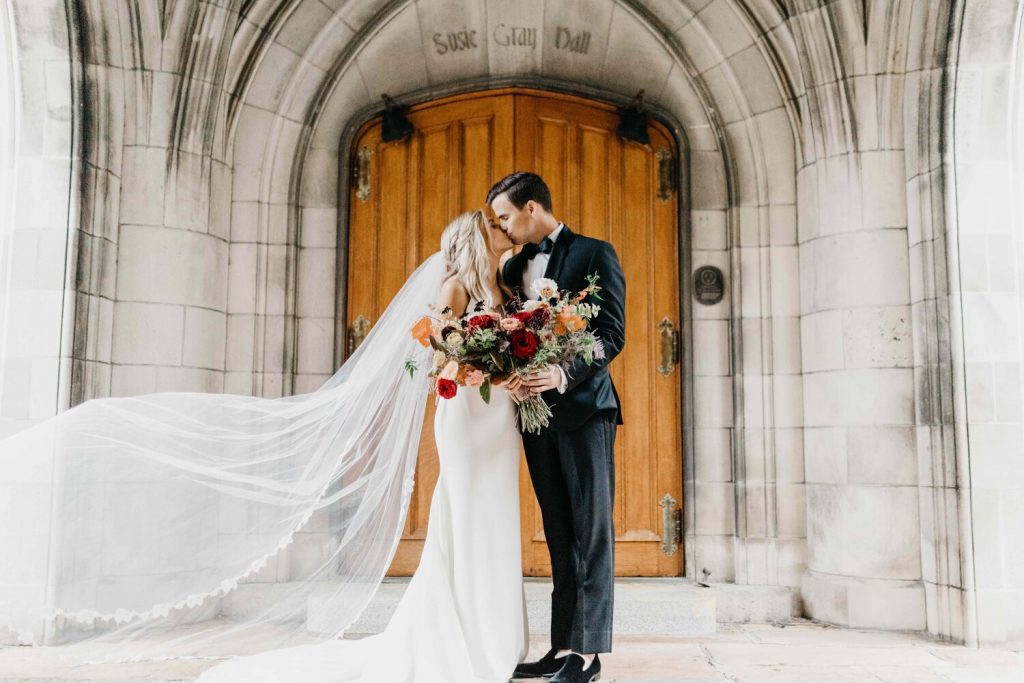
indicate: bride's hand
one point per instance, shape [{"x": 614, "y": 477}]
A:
[
  {"x": 509, "y": 382},
  {"x": 518, "y": 395}
]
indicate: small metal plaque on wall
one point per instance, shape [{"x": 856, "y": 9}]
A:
[{"x": 708, "y": 285}]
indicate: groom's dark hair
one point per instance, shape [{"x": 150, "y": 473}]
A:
[{"x": 521, "y": 187}]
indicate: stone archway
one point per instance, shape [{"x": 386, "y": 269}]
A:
[{"x": 724, "y": 181}]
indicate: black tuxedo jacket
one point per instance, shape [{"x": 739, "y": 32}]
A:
[{"x": 590, "y": 389}]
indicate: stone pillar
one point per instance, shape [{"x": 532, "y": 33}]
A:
[
  {"x": 171, "y": 297},
  {"x": 864, "y": 567}
]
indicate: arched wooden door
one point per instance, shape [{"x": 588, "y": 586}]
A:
[{"x": 405, "y": 193}]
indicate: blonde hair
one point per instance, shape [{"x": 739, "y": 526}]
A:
[{"x": 466, "y": 245}]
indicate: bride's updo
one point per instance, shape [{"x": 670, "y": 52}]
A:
[{"x": 466, "y": 245}]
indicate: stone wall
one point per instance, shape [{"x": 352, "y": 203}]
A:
[
  {"x": 37, "y": 251},
  {"x": 986, "y": 284},
  {"x": 37, "y": 214}
]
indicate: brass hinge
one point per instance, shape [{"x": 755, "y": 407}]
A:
[
  {"x": 357, "y": 333},
  {"x": 666, "y": 174},
  {"x": 671, "y": 525},
  {"x": 362, "y": 173},
  {"x": 668, "y": 342}
]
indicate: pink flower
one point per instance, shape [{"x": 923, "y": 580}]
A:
[
  {"x": 475, "y": 379},
  {"x": 511, "y": 324},
  {"x": 450, "y": 371}
]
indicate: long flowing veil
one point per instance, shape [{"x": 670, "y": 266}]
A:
[{"x": 165, "y": 525}]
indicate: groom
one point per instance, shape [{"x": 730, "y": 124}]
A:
[{"x": 571, "y": 462}]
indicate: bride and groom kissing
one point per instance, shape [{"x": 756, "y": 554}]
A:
[{"x": 462, "y": 616}]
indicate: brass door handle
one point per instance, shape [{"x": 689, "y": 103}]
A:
[
  {"x": 668, "y": 339},
  {"x": 671, "y": 525},
  {"x": 357, "y": 332}
]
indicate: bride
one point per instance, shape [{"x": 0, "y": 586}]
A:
[
  {"x": 141, "y": 518},
  {"x": 462, "y": 617}
]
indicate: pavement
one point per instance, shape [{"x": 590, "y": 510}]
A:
[{"x": 799, "y": 652}]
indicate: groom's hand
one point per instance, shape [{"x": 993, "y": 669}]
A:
[{"x": 544, "y": 380}]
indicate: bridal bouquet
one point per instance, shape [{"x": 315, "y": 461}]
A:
[{"x": 482, "y": 349}]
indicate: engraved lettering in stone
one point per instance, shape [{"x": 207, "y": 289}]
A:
[
  {"x": 515, "y": 36},
  {"x": 455, "y": 41},
  {"x": 577, "y": 42}
]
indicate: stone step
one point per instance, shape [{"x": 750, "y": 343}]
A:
[{"x": 673, "y": 606}]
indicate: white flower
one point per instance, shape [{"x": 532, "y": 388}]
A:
[
  {"x": 545, "y": 288},
  {"x": 532, "y": 305},
  {"x": 455, "y": 340},
  {"x": 439, "y": 359}
]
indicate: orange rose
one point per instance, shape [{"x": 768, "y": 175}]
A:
[
  {"x": 569, "y": 322},
  {"x": 576, "y": 324},
  {"x": 422, "y": 330}
]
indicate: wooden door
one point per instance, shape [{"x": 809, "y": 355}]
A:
[
  {"x": 415, "y": 188},
  {"x": 601, "y": 187}
]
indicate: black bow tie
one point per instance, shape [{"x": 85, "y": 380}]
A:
[{"x": 545, "y": 247}]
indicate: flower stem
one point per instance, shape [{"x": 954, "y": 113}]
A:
[{"x": 534, "y": 414}]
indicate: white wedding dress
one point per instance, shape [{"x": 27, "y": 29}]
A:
[{"x": 462, "y": 618}]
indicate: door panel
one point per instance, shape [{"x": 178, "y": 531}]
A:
[
  {"x": 601, "y": 187},
  {"x": 607, "y": 188}
]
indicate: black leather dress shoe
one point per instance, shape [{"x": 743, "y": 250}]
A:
[
  {"x": 573, "y": 672},
  {"x": 545, "y": 667}
]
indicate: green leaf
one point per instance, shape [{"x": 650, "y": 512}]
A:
[
  {"x": 410, "y": 367},
  {"x": 485, "y": 391}
]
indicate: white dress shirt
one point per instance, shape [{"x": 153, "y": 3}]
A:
[
  {"x": 534, "y": 270},
  {"x": 536, "y": 266}
]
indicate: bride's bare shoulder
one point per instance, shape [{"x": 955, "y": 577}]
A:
[{"x": 453, "y": 295}]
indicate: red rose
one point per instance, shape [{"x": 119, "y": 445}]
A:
[
  {"x": 446, "y": 388},
  {"x": 481, "y": 322},
  {"x": 524, "y": 344}
]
